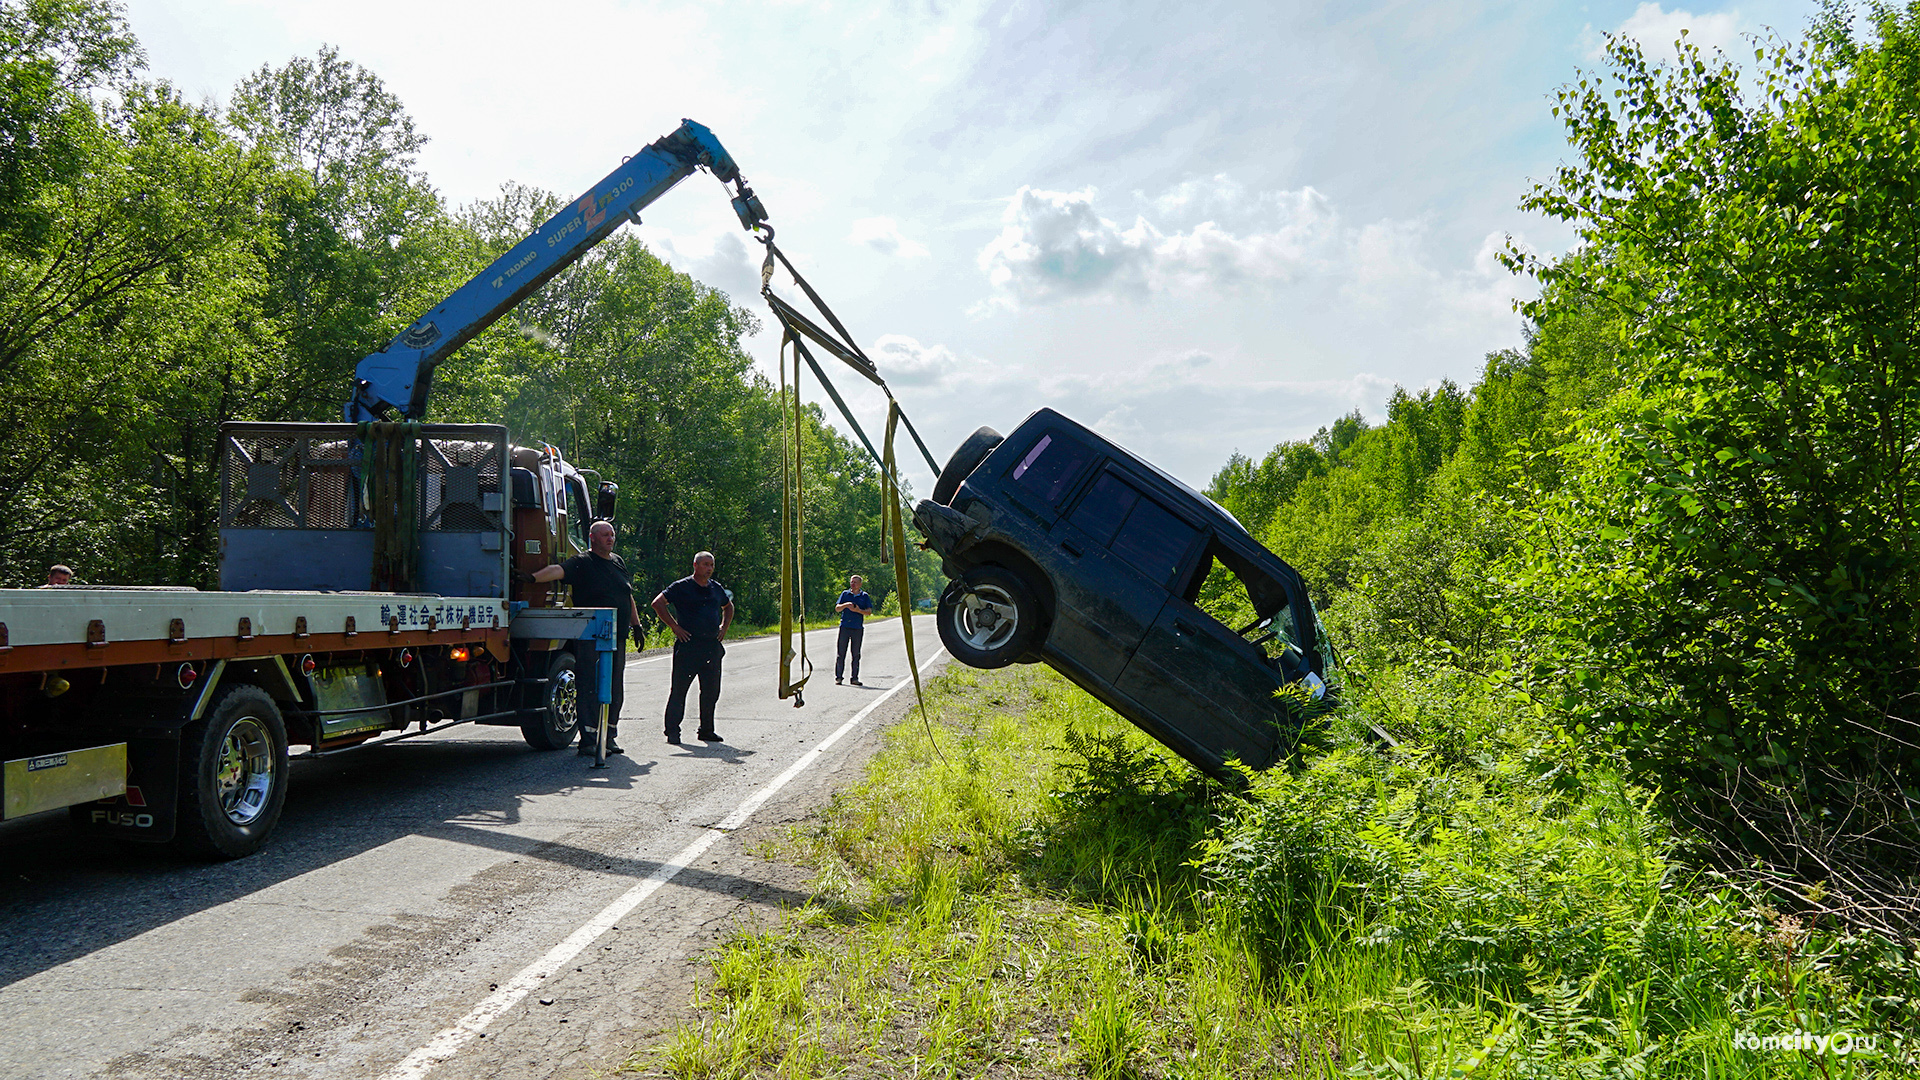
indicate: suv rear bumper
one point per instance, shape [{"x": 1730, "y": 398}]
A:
[{"x": 947, "y": 530}]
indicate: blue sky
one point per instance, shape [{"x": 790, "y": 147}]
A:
[{"x": 1199, "y": 227}]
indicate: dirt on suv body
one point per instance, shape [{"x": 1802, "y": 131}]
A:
[{"x": 1064, "y": 548}]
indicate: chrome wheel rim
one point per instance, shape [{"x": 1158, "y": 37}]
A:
[
  {"x": 986, "y": 618},
  {"x": 245, "y": 776},
  {"x": 563, "y": 707}
]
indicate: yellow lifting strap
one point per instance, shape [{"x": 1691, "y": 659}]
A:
[
  {"x": 792, "y": 544},
  {"x": 894, "y": 524}
]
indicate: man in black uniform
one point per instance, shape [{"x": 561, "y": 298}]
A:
[
  {"x": 600, "y": 579},
  {"x": 701, "y": 611}
]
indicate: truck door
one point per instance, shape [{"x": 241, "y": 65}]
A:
[{"x": 1204, "y": 680}]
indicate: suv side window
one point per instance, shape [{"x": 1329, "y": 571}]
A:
[
  {"x": 1105, "y": 506},
  {"x": 1051, "y": 466},
  {"x": 1134, "y": 527}
]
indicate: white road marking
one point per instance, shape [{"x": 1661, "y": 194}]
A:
[{"x": 449, "y": 1041}]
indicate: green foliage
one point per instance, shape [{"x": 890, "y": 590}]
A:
[
  {"x": 54, "y": 54},
  {"x": 361, "y": 243},
  {"x": 1060, "y": 896},
  {"x": 124, "y": 330},
  {"x": 1727, "y": 579}
]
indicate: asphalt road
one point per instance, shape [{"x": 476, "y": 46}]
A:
[{"x": 412, "y": 890}]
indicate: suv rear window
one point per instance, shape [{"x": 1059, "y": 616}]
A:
[
  {"x": 1134, "y": 527},
  {"x": 1051, "y": 466}
]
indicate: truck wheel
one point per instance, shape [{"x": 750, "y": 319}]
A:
[
  {"x": 233, "y": 775},
  {"x": 964, "y": 460},
  {"x": 552, "y": 726},
  {"x": 989, "y": 618}
]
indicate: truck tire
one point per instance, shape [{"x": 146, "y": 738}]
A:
[
  {"x": 233, "y": 775},
  {"x": 553, "y": 725},
  {"x": 972, "y": 452},
  {"x": 989, "y": 618}
]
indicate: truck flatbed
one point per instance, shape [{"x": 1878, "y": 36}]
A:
[{"x": 72, "y": 628}]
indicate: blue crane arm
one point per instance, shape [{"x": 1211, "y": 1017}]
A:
[{"x": 399, "y": 378}]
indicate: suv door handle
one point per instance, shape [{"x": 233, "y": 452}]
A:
[
  {"x": 1067, "y": 546},
  {"x": 1182, "y": 626}
]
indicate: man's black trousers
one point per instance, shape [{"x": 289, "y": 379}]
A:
[
  {"x": 693, "y": 659},
  {"x": 589, "y": 696},
  {"x": 850, "y": 637}
]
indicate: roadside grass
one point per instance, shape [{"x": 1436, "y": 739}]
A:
[{"x": 1049, "y": 893}]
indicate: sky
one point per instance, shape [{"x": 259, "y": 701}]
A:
[{"x": 1197, "y": 227}]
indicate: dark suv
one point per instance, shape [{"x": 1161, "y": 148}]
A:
[{"x": 1065, "y": 548}]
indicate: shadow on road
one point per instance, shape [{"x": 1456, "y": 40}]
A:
[{"x": 65, "y": 894}]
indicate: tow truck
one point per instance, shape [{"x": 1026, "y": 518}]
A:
[{"x": 372, "y": 585}]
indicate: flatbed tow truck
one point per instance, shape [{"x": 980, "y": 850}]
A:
[{"x": 373, "y": 586}]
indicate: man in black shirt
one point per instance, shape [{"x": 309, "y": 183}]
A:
[
  {"x": 701, "y": 610},
  {"x": 600, "y": 579}
]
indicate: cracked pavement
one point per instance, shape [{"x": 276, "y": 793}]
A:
[{"x": 406, "y": 882}]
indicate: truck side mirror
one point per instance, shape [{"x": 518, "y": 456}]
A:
[{"x": 603, "y": 500}]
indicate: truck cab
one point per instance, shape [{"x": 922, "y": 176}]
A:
[{"x": 554, "y": 504}]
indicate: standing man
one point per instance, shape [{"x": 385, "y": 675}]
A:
[
  {"x": 59, "y": 574},
  {"x": 854, "y": 607},
  {"x": 600, "y": 579},
  {"x": 702, "y": 609}
]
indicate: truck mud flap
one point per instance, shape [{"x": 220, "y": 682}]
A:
[
  {"x": 148, "y": 812},
  {"x": 30, "y": 785}
]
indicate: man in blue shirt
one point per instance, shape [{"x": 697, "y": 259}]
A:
[
  {"x": 854, "y": 607},
  {"x": 698, "y": 610}
]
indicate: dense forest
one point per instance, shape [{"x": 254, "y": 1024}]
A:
[
  {"x": 1677, "y": 528},
  {"x": 167, "y": 266}
]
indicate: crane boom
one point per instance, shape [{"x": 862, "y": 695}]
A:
[{"x": 399, "y": 378}]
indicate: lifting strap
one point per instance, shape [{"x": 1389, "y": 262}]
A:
[
  {"x": 796, "y": 329},
  {"x": 843, "y": 347},
  {"x": 792, "y": 534},
  {"x": 895, "y": 526},
  {"x": 390, "y": 490}
]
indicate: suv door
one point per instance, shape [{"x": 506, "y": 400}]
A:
[
  {"x": 1108, "y": 597},
  {"x": 1207, "y": 683}
]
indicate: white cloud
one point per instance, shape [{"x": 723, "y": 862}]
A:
[
  {"x": 903, "y": 361},
  {"x": 1656, "y": 29},
  {"x": 883, "y": 235},
  {"x": 726, "y": 265},
  {"x": 1184, "y": 410},
  {"x": 1057, "y": 246},
  {"x": 1054, "y": 245}
]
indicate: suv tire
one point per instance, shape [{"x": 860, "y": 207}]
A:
[
  {"x": 989, "y": 618},
  {"x": 964, "y": 460}
]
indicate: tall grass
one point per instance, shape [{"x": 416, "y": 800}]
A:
[{"x": 1052, "y": 894}]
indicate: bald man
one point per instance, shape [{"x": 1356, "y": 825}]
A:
[
  {"x": 600, "y": 579},
  {"x": 698, "y": 610}
]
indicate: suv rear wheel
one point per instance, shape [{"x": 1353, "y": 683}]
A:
[{"x": 989, "y": 618}]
